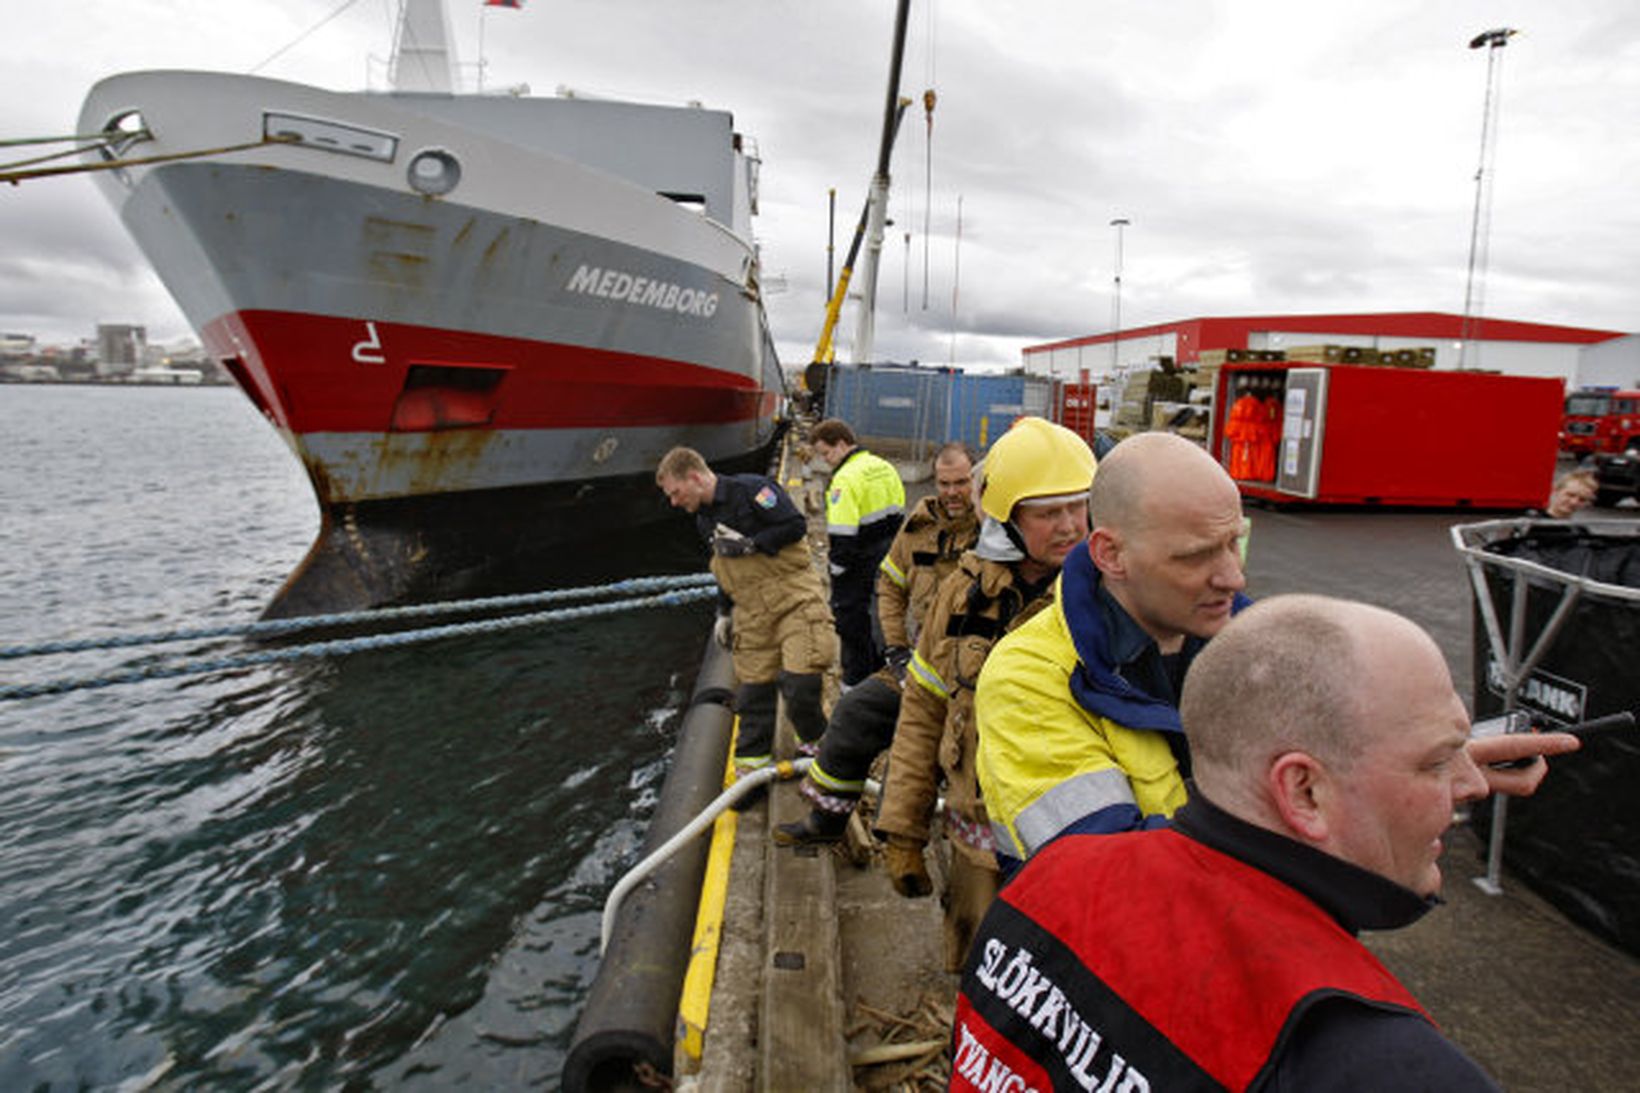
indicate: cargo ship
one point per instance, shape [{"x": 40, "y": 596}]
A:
[{"x": 477, "y": 319}]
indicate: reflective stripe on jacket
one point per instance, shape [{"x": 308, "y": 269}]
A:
[
  {"x": 1046, "y": 763},
  {"x": 864, "y": 505}
]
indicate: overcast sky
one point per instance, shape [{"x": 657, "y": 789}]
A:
[{"x": 1272, "y": 155}]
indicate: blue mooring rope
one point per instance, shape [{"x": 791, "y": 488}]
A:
[
  {"x": 682, "y": 590},
  {"x": 271, "y": 627}
]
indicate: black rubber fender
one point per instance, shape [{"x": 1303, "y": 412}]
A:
[{"x": 631, "y": 1011}]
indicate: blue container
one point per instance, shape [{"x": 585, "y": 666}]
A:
[
  {"x": 983, "y": 407},
  {"x": 915, "y": 410},
  {"x": 894, "y": 408}
]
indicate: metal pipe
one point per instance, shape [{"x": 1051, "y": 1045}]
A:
[
  {"x": 1116, "y": 298},
  {"x": 831, "y": 238},
  {"x": 777, "y": 772}
]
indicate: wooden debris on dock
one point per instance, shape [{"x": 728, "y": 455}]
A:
[{"x": 902, "y": 1053}]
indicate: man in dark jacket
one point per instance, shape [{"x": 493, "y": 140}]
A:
[
  {"x": 1329, "y": 751},
  {"x": 772, "y": 615}
]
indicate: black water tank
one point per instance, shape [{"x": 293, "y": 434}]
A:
[{"x": 1577, "y": 840}]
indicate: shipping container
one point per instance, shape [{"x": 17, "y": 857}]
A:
[
  {"x": 984, "y": 406},
  {"x": 912, "y": 411},
  {"x": 892, "y": 409},
  {"x": 1078, "y": 403},
  {"x": 1357, "y": 435}
]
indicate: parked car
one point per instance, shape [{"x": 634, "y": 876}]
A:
[{"x": 1617, "y": 475}]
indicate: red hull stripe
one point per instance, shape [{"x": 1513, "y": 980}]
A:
[{"x": 316, "y": 373}]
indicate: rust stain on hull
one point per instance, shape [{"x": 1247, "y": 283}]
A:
[
  {"x": 394, "y": 465},
  {"x": 495, "y": 246},
  {"x": 418, "y": 463},
  {"x": 397, "y": 251}
]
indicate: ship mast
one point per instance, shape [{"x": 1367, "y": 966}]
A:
[{"x": 422, "y": 58}]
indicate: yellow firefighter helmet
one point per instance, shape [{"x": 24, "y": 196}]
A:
[{"x": 1035, "y": 459}]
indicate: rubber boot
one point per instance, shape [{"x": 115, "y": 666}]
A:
[
  {"x": 756, "y": 704},
  {"x": 802, "y": 694},
  {"x": 816, "y": 829}
]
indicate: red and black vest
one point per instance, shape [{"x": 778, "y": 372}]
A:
[{"x": 1148, "y": 961}]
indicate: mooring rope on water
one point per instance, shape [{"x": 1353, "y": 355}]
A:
[
  {"x": 343, "y": 646},
  {"x": 276, "y": 627}
]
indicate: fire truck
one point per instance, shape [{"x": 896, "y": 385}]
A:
[{"x": 1600, "y": 419}]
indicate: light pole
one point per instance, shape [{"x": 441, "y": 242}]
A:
[
  {"x": 1480, "y": 225},
  {"x": 1116, "y": 297}
]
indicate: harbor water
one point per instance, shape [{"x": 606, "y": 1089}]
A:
[{"x": 383, "y": 870}]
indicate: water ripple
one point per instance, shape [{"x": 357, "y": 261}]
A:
[{"x": 382, "y": 870}]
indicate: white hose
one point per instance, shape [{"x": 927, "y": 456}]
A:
[{"x": 743, "y": 785}]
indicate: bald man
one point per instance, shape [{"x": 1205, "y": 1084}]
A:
[
  {"x": 1077, "y": 709},
  {"x": 1330, "y": 752}
]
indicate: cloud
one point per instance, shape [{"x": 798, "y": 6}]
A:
[{"x": 1271, "y": 155}]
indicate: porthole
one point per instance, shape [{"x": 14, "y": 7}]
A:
[{"x": 434, "y": 172}]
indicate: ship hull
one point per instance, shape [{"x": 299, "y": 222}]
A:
[
  {"x": 458, "y": 544},
  {"x": 472, "y": 379}
]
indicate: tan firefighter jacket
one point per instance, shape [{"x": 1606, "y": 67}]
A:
[
  {"x": 922, "y": 555},
  {"x": 935, "y": 738}
]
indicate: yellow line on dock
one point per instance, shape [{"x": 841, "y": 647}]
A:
[
  {"x": 696, "y": 999},
  {"x": 694, "y": 1004}
]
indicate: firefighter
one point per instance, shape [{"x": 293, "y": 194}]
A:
[
  {"x": 864, "y": 507},
  {"x": 925, "y": 551},
  {"x": 772, "y": 613},
  {"x": 1034, "y": 511},
  {"x": 934, "y": 536}
]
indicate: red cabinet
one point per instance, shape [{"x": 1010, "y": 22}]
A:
[{"x": 1349, "y": 434}]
